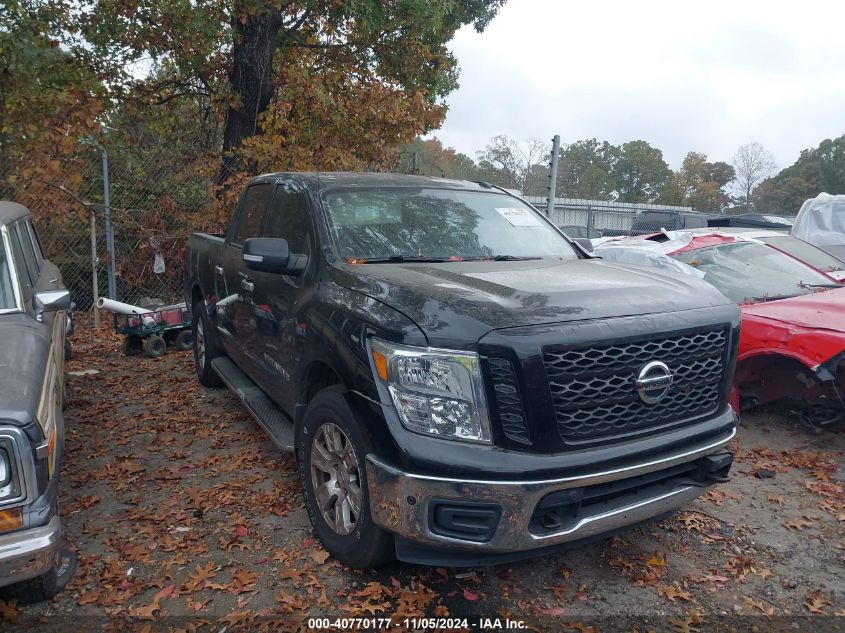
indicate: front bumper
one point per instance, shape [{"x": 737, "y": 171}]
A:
[
  {"x": 29, "y": 553},
  {"x": 406, "y": 504}
]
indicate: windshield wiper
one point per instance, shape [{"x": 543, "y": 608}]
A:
[
  {"x": 822, "y": 285},
  {"x": 499, "y": 258},
  {"x": 398, "y": 259},
  {"x": 771, "y": 298}
]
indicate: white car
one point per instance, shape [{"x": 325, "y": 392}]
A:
[{"x": 821, "y": 221}]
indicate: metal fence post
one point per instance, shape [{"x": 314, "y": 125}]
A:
[
  {"x": 550, "y": 205},
  {"x": 109, "y": 228},
  {"x": 95, "y": 286},
  {"x": 590, "y": 219}
]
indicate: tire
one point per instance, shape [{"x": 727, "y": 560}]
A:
[
  {"x": 45, "y": 586},
  {"x": 133, "y": 345},
  {"x": 184, "y": 340},
  {"x": 155, "y": 347},
  {"x": 205, "y": 347},
  {"x": 353, "y": 538}
]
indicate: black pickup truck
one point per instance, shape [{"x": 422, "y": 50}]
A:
[{"x": 460, "y": 382}]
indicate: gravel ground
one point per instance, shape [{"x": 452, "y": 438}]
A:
[{"x": 184, "y": 517}]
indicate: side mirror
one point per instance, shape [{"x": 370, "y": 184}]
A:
[
  {"x": 585, "y": 243},
  {"x": 50, "y": 301},
  {"x": 272, "y": 255}
]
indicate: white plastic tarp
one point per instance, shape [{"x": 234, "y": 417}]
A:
[
  {"x": 640, "y": 252},
  {"x": 821, "y": 221}
]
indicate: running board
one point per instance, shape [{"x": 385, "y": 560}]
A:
[{"x": 277, "y": 425}]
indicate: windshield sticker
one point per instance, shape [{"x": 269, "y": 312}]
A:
[{"x": 519, "y": 217}]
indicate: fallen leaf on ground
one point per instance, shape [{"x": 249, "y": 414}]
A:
[{"x": 815, "y": 601}]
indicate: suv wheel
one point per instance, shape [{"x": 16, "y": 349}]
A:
[
  {"x": 332, "y": 451},
  {"x": 205, "y": 348}
]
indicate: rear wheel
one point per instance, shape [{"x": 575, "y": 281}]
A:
[
  {"x": 154, "y": 347},
  {"x": 205, "y": 347},
  {"x": 133, "y": 345},
  {"x": 332, "y": 450},
  {"x": 184, "y": 340}
]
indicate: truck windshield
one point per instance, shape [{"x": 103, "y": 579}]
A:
[
  {"x": 408, "y": 223},
  {"x": 747, "y": 272},
  {"x": 7, "y": 293}
]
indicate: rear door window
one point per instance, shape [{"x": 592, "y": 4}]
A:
[{"x": 254, "y": 205}]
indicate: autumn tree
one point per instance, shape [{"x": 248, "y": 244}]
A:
[
  {"x": 817, "y": 169},
  {"x": 429, "y": 157},
  {"x": 585, "y": 169},
  {"x": 640, "y": 173},
  {"x": 702, "y": 184},
  {"x": 254, "y": 56},
  {"x": 752, "y": 163},
  {"x": 509, "y": 163}
]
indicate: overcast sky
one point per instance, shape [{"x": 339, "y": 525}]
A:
[{"x": 682, "y": 76}]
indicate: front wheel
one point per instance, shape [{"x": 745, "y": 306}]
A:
[
  {"x": 332, "y": 450},
  {"x": 45, "y": 586}
]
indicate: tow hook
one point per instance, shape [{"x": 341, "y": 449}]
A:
[{"x": 715, "y": 468}]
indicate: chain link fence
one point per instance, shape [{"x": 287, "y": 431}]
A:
[
  {"x": 156, "y": 201},
  {"x": 598, "y": 218}
]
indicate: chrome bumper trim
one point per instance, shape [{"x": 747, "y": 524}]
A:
[
  {"x": 390, "y": 490},
  {"x": 29, "y": 553}
]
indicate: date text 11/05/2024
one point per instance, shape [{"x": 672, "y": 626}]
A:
[{"x": 416, "y": 624}]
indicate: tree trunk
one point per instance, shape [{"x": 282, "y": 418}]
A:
[{"x": 251, "y": 79}]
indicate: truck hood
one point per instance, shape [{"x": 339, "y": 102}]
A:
[
  {"x": 23, "y": 358},
  {"x": 456, "y": 303},
  {"x": 822, "y": 310}
]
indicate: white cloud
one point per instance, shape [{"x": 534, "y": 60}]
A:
[{"x": 683, "y": 76}]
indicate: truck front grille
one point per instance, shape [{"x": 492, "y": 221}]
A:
[
  {"x": 593, "y": 390},
  {"x": 507, "y": 400}
]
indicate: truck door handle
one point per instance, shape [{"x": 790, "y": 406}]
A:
[
  {"x": 218, "y": 269},
  {"x": 247, "y": 285}
]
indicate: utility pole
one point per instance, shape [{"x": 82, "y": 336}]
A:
[{"x": 550, "y": 205}]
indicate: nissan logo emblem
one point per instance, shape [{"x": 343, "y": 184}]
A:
[{"x": 653, "y": 382}]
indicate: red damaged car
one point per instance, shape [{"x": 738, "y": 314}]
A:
[{"x": 792, "y": 343}]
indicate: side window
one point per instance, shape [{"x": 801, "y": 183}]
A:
[
  {"x": 7, "y": 287},
  {"x": 255, "y": 203},
  {"x": 32, "y": 263},
  {"x": 36, "y": 242},
  {"x": 289, "y": 219},
  {"x": 23, "y": 274}
]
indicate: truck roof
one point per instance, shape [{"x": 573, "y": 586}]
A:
[
  {"x": 320, "y": 181},
  {"x": 11, "y": 211}
]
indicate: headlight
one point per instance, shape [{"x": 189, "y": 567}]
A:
[{"x": 435, "y": 391}]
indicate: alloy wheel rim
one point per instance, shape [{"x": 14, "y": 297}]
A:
[
  {"x": 200, "y": 345},
  {"x": 335, "y": 477}
]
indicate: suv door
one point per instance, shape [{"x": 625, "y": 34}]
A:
[
  {"x": 36, "y": 274},
  {"x": 279, "y": 299},
  {"x": 235, "y": 311}
]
